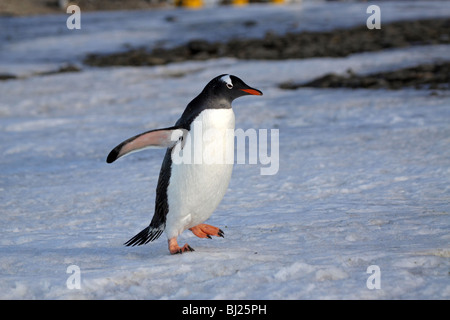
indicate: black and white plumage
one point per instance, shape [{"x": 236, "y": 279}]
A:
[{"x": 188, "y": 192}]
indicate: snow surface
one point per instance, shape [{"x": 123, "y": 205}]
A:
[{"x": 363, "y": 179}]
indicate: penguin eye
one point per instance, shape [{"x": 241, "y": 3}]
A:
[{"x": 229, "y": 86}]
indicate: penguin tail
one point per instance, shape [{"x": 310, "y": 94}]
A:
[{"x": 145, "y": 236}]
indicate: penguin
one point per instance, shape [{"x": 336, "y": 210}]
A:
[{"x": 189, "y": 191}]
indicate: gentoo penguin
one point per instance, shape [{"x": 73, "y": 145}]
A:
[{"x": 188, "y": 192}]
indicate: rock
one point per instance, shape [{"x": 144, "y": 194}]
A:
[
  {"x": 7, "y": 76},
  {"x": 432, "y": 76}
]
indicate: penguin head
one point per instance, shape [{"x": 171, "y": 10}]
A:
[
  {"x": 218, "y": 94},
  {"x": 229, "y": 87}
]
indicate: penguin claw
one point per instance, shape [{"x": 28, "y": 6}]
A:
[{"x": 186, "y": 248}]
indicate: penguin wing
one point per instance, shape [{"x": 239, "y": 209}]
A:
[{"x": 159, "y": 138}]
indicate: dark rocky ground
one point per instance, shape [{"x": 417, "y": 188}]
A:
[
  {"x": 62, "y": 69},
  {"x": 337, "y": 43},
  {"x": 36, "y": 7},
  {"x": 427, "y": 76}
]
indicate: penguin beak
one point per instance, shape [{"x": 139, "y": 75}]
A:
[{"x": 252, "y": 91}]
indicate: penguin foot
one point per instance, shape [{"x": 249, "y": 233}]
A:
[
  {"x": 206, "y": 231},
  {"x": 174, "y": 248}
]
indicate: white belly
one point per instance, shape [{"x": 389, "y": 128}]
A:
[{"x": 201, "y": 173}]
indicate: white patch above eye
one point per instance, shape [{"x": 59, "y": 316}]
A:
[{"x": 226, "y": 78}]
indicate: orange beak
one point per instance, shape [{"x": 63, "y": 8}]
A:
[{"x": 253, "y": 92}]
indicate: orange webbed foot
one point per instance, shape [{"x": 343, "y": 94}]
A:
[
  {"x": 206, "y": 231},
  {"x": 174, "y": 248}
]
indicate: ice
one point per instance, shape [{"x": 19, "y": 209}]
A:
[{"x": 363, "y": 177}]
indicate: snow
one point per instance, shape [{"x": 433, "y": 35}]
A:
[{"x": 363, "y": 177}]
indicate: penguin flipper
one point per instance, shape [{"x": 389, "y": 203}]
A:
[{"x": 159, "y": 138}]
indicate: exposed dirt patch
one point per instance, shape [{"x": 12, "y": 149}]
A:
[
  {"x": 426, "y": 76},
  {"x": 337, "y": 43},
  {"x": 35, "y": 7}
]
